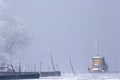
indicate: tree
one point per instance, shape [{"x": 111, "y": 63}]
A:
[{"x": 13, "y": 35}]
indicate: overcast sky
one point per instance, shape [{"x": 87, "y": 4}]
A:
[{"x": 69, "y": 29}]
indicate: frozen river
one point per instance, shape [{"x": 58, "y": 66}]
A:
[{"x": 110, "y": 76}]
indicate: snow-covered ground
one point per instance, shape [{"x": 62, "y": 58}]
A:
[{"x": 110, "y": 76}]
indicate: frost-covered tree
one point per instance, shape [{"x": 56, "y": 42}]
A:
[{"x": 13, "y": 35}]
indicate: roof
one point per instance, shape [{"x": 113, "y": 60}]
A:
[{"x": 97, "y": 57}]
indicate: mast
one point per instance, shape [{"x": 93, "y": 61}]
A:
[
  {"x": 40, "y": 65},
  {"x": 71, "y": 66},
  {"x": 28, "y": 67},
  {"x": 34, "y": 67},
  {"x": 19, "y": 67},
  {"x": 53, "y": 66}
]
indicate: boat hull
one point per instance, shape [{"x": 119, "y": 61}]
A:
[
  {"x": 50, "y": 73},
  {"x": 19, "y": 75}
]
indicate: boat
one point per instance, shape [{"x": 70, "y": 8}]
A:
[
  {"x": 97, "y": 65},
  {"x": 9, "y": 72},
  {"x": 19, "y": 75},
  {"x": 50, "y": 73}
]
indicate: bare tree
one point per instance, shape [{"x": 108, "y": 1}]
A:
[{"x": 13, "y": 35}]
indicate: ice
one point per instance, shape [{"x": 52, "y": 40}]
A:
[{"x": 104, "y": 76}]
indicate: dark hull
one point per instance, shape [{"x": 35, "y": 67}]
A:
[
  {"x": 19, "y": 75},
  {"x": 50, "y": 73},
  {"x": 98, "y": 71}
]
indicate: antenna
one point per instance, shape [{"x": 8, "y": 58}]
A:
[{"x": 97, "y": 47}]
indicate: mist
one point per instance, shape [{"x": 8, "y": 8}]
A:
[{"x": 69, "y": 29}]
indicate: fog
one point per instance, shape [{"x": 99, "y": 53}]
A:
[{"x": 69, "y": 29}]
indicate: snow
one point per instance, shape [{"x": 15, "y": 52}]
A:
[
  {"x": 110, "y": 76},
  {"x": 97, "y": 57}
]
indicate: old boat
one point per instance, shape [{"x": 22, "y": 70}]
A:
[
  {"x": 9, "y": 72},
  {"x": 97, "y": 65},
  {"x": 50, "y": 73}
]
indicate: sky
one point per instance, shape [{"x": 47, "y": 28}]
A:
[{"x": 69, "y": 29}]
